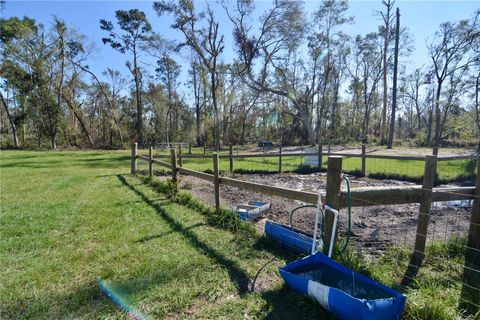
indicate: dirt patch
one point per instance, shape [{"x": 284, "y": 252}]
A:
[{"x": 372, "y": 228}]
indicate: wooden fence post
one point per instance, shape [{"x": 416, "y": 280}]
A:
[
  {"x": 334, "y": 178},
  {"x": 190, "y": 148},
  {"x": 134, "y": 158},
  {"x": 320, "y": 160},
  {"x": 173, "y": 154},
  {"x": 329, "y": 148},
  {"x": 231, "y": 159},
  {"x": 150, "y": 163},
  {"x": 423, "y": 220},
  {"x": 280, "y": 160},
  {"x": 471, "y": 272},
  {"x": 435, "y": 151},
  {"x": 180, "y": 158},
  {"x": 364, "y": 161},
  {"x": 205, "y": 148},
  {"x": 216, "y": 181}
]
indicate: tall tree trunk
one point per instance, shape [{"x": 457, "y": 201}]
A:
[
  {"x": 477, "y": 109},
  {"x": 438, "y": 115},
  {"x": 213, "y": 87},
  {"x": 383, "y": 124},
  {"x": 395, "y": 71},
  {"x": 10, "y": 119},
  {"x": 136, "y": 75}
]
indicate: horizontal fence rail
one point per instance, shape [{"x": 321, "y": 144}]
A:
[{"x": 360, "y": 197}]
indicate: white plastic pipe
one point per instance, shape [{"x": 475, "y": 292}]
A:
[
  {"x": 315, "y": 230},
  {"x": 334, "y": 230}
]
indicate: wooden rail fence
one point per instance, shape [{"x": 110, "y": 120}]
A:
[
  {"x": 364, "y": 155},
  {"x": 360, "y": 197}
]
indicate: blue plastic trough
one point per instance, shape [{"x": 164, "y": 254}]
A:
[
  {"x": 345, "y": 293},
  {"x": 288, "y": 238},
  {"x": 253, "y": 210}
]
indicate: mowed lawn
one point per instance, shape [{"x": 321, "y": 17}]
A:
[
  {"x": 376, "y": 168},
  {"x": 69, "y": 217}
]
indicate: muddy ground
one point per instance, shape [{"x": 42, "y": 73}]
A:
[{"x": 373, "y": 228}]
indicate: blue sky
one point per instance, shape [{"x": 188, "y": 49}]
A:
[{"x": 421, "y": 17}]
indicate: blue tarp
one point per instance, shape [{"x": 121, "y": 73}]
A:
[
  {"x": 289, "y": 238},
  {"x": 345, "y": 293}
]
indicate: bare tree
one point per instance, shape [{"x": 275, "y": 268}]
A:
[
  {"x": 10, "y": 120},
  {"x": 137, "y": 30},
  {"x": 206, "y": 41},
  {"x": 385, "y": 29},
  {"x": 395, "y": 71},
  {"x": 450, "y": 51}
]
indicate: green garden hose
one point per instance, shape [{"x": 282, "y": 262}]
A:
[{"x": 301, "y": 207}]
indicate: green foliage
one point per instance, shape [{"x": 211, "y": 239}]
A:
[{"x": 223, "y": 218}]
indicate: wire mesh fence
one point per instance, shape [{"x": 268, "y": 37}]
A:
[{"x": 386, "y": 237}]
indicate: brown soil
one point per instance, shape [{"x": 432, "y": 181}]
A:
[{"x": 373, "y": 228}]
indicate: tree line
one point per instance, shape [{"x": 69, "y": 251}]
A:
[{"x": 296, "y": 78}]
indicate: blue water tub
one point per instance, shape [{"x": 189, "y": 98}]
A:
[
  {"x": 253, "y": 210},
  {"x": 291, "y": 239},
  {"x": 345, "y": 293}
]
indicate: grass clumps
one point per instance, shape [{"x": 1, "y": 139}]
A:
[{"x": 223, "y": 218}]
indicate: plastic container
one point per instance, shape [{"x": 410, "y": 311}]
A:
[
  {"x": 291, "y": 239},
  {"x": 345, "y": 293},
  {"x": 253, "y": 210}
]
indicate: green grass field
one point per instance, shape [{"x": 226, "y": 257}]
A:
[
  {"x": 69, "y": 217},
  {"x": 448, "y": 171}
]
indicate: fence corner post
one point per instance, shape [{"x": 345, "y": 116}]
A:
[
  {"x": 216, "y": 181},
  {"x": 332, "y": 198},
  {"x": 364, "y": 160},
  {"x": 134, "y": 158},
  {"x": 150, "y": 161},
  {"x": 173, "y": 154},
  {"x": 180, "y": 156},
  {"x": 231, "y": 158},
  {"x": 471, "y": 271}
]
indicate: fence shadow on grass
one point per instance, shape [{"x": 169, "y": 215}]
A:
[
  {"x": 286, "y": 304},
  {"x": 236, "y": 274}
]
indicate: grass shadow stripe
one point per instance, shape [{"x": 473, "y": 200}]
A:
[{"x": 236, "y": 274}]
